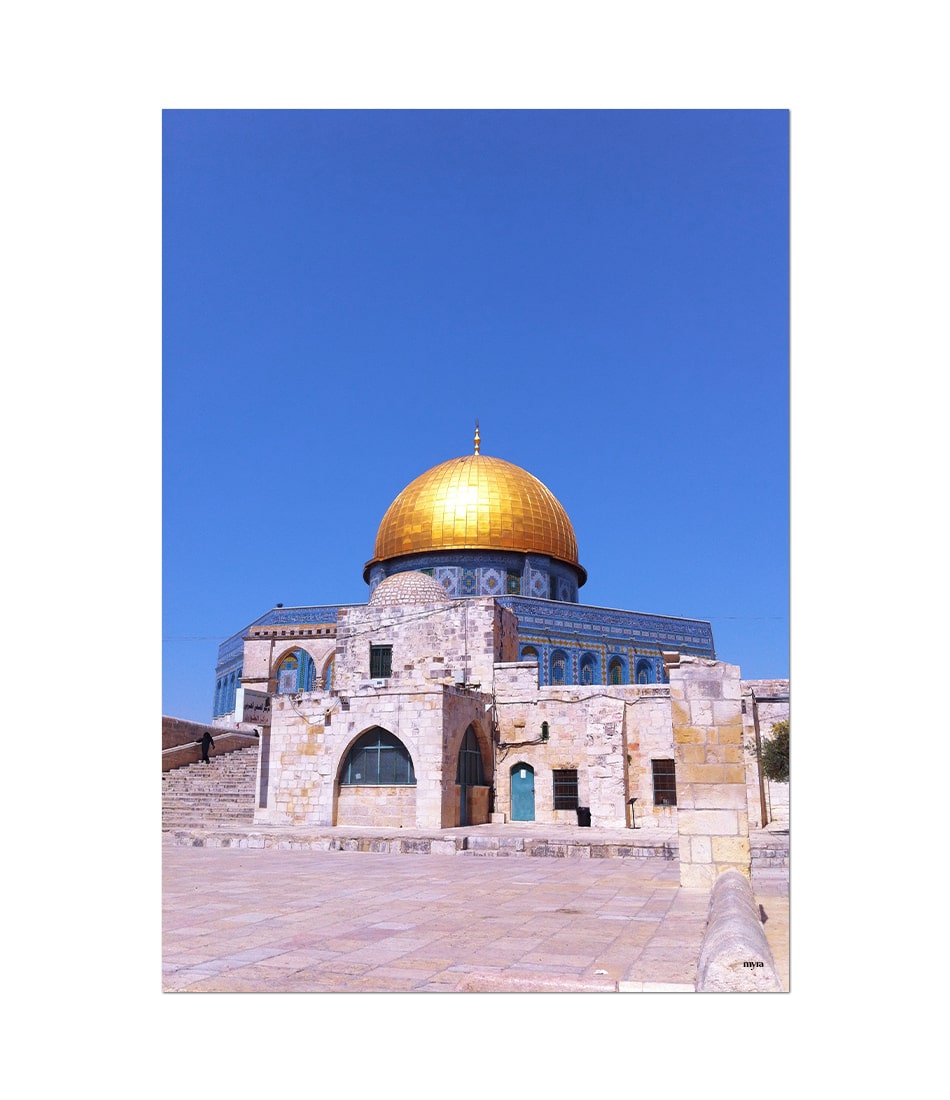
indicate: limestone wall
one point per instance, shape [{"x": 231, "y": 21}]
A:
[
  {"x": 311, "y": 734},
  {"x": 649, "y": 736},
  {"x": 182, "y": 731},
  {"x": 297, "y": 761},
  {"x": 180, "y": 737},
  {"x": 712, "y": 813},
  {"x": 386, "y": 807},
  {"x": 431, "y": 643},
  {"x": 454, "y": 665},
  {"x": 608, "y": 734},
  {"x": 769, "y": 701}
]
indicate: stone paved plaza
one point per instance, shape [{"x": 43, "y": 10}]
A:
[{"x": 270, "y": 920}]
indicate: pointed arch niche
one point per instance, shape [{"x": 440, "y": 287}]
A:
[
  {"x": 470, "y": 803},
  {"x": 376, "y": 784}
]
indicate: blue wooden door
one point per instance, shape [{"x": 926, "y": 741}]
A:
[{"x": 522, "y": 793}]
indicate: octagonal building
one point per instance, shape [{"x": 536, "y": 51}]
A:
[{"x": 472, "y": 685}]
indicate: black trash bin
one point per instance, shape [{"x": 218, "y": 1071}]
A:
[{"x": 583, "y": 816}]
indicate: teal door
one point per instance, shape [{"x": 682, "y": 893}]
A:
[{"x": 522, "y": 793}]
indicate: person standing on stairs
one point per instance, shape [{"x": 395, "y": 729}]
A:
[{"x": 207, "y": 741}]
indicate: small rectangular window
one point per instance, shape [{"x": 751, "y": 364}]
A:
[
  {"x": 565, "y": 789},
  {"x": 380, "y": 661},
  {"x": 664, "y": 783}
]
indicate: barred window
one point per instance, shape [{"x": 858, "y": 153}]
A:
[
  {"x": 558, "y": 667},
  {"x": 664, "y": 783},
  {"x": 615, "y": 671},
  {"x": 378, "y": 758},
  {"x": 588, "y": 663},
  {"x": 380, "y": 661},
  {"x": 565, "y": 789}
]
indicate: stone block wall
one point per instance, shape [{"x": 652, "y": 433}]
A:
[
  {"x": 300, "y": 762},
  {"x": 608, "y": 734},
  {"x": 587, "y": 733},
  {"x": 386, "y": 807},
  {"x": 771, "y": 704},
  {"x": 182, "y": 731},
  {"x": 179, "y": 737},
  {"x": 649, "y": 737},
  {"x": 433, "y": 643},
  {"x": 311, "y": 734},
  {"x": 712, "y": 812}
]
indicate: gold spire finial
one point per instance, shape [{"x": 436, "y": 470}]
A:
[{"x": 478, "y": 439}]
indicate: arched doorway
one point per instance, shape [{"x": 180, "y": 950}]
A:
[
  {"x": 522, "y": 792},
  {"x": 469, "y": 774}
]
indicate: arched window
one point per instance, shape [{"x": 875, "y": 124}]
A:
[
  {"x": 328, "y": 675},
  {"x": 644, "y": 672},
  {"x": 470, "y": 771},
  {"x": 559, "y": 667},
  {"x": 529, "y": 653},
  {"x": 296, "y": 672},
  {"x": 378, "y": 759},
  {"x": 287, "y": 675},
  {"x": 588, "y": 667},
  {"x": 615, "y": 671}
]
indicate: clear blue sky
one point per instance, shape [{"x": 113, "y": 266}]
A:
[{"x": 345, "y": 292}]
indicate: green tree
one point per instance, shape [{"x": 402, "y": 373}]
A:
[{"x": 775, "y": 753}]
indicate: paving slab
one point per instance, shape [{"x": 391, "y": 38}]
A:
[{"x": 283, "y": 920}]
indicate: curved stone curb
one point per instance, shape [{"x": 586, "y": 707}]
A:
[{"x": 735, "y": 956}]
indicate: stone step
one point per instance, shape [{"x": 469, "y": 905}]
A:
[
  {"x": 219, "y": 794},
  {"x": 205, "y": 771},
  {"x": 196, "y": 809},
  {"x": 210, "y": 820},
  {"x": 208, "y": 788}
]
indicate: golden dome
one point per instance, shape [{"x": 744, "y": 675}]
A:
[{"x": 477, "y": 503}]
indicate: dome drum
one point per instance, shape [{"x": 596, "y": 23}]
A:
[{"x": 483, "y": 573}]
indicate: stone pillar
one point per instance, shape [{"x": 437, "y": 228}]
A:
[{"x": 711, "y": 809}]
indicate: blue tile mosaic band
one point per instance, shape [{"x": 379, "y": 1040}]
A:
[{"x": 602, "y": 644}]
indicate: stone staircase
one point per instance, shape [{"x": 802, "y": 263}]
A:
[{"x": 217, "y": 794}]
